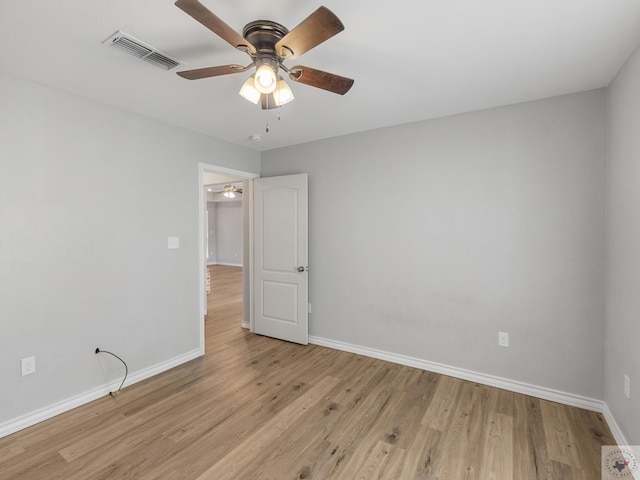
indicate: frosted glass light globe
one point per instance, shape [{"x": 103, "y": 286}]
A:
[{"x": 265, "y": 80}]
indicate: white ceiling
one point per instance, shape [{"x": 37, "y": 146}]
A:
[
  {"x": 210, "y": 178},
  {"x": 411, "y": 59}
]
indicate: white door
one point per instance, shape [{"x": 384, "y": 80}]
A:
[{"x": 280, "y": 258}]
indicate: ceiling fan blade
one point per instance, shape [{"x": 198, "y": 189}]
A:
[
  {"x": 207, "y": 72},
  {"x": 210, "y": 20},
  {"x": 312, "y": 31},
  {"x": 318, "y": 78}
]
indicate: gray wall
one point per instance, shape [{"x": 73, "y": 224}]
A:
[
  {"x": 225, "y": 233},
  {"x": 88, "y": 196},
  {"x": 623, "y": 252},
  {"x": 211, "y": 237},
  {"x": 427, "y": 239},
  {"x": 229, "y": 233}
]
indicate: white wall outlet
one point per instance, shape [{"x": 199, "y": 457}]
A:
[
  {"x": 627, "y": 386},
  {"x": 28, "y": 365},
  {"x": 503, "y": 339},
  {"x": 173, "y": 242}
]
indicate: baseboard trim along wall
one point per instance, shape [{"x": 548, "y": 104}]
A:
[
  {"x": 619, "y": 436},
  {"x": 490, "y": 380},
  {"x": 41, "y": 415},
  {"x": 519, "y": 387},
  {"x": 615, "y": 428}
]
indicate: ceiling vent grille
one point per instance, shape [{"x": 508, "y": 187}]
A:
[
  {"x": 128, "y": 44},
  {"x": 161, "y": 60}
]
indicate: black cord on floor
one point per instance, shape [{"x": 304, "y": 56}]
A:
[{"x": 126, "y": 370}]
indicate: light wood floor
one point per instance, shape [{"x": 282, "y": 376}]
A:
[{"x": 258, "y": 408}]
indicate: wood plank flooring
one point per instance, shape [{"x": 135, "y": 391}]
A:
[{"x": 258, "y": 408}]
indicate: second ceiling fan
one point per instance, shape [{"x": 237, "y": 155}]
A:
[
  {"x": 229, "y": 191},
  {"x": 269, "y": 44}
]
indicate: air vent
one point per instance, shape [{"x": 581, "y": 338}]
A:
[
  {"x": 161, "y": 60},
  {"x": 128, "y": 44}
]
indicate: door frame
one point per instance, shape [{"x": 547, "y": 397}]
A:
[{"x": 247, "y": 237}]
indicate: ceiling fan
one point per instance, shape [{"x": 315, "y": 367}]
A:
[
  {"x": 229, "y": 191},
  {"x": 269, "y": 44}
]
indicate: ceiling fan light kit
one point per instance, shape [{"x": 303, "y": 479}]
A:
[
  {"x": 265, "y": 80},
  {"x": 269, "y": 44},
  {"x": 249, "y": 90},
  {"x": 282, "y": 94}
]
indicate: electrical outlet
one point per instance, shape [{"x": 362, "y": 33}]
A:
[
  {"x": 173, "y": 242},
  {"x": 503, "y": 339},
  {"x": 28, "y": 365},
  {"x": 627, "y": 386}
]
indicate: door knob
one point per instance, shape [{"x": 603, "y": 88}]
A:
[{"x": 302, "y": 269}]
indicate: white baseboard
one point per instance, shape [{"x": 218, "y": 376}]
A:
[
  {"x": 490, "y": 380},
  {"x": 619, "y": 436},
  {"x": 225, "y": 264},
  {"x": 613, "y": 426},
  {"x": 38, "y": 416}
]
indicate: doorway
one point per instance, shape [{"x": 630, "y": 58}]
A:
[{"x": 215, "y": 178}]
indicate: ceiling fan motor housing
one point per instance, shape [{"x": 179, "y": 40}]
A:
[{"x": 264, "y": 34}]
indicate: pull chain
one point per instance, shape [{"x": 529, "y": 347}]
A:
[{"x": 267, "y": 127}]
